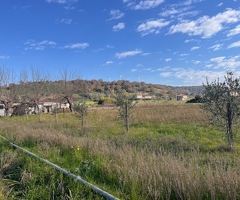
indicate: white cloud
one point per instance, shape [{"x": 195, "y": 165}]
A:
[
  {"x": 118, "y": 27},
  {"x": 147, "y": 69},
  {"x": 220, "y": 4},
  {"x": 170, "y": 12},
  {"x": 40, "y": 46},
  {"x": 192, "y": 76},
  {"x": 197, "y": 77},
  {"x": 190, "y": 40},
  {"x": 218, "y": 59},
  {"x": 128, "y": 54},
  {"x": 178, "y": 11},
  {"x": 196, "y": 62},
  {"x": 62, "y": 1},
  {"x": 26, "y": 7},
  {"x": 65, "y": 21},
  {"x": 152, "y": 26},
  {"x": 194, "y": 48},
  {"x": 56, "y": 1},
  {"x": 69, "y": 7},
  {"x": 215, "y": 68},
  {"x": 234, "y": 31},
  {"x": 109, "y": 62},
  {"x": 168, "y": 59},
  {"x": 184, "y": 14},
  {"x": 184, "y": 54},
  {"x": 216, "y": 47},
  {"x": 225, "y": 63},
  {"x": 104, "y": 48},
  {"x": 76, "y": 46},
  {"x": 234, "y": 45},
  {"x": 108, "y": 46},
  {"x": 190, "y": 2},
  {"x": 116, "y": 14},
  {"x": 134, "y": 70},
  {"x": 166, "y": 74},
  {"x": 2, "y": 57},
  {"x": 207, "y": 26},
  {"x": 148, "y": 4},
  {"x": 143, "y": 4},
  {"x": 146, "y": 54}
]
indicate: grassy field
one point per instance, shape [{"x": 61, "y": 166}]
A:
[{"x": 170, "y": 152}]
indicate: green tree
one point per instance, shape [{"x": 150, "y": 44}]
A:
[
  {"x": 125, "y": 105},
  {"x": 81, "y": 108},
  {"x": 222, "y": 100}
]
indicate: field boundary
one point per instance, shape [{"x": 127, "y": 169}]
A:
[{"x": 67, "y": 173}]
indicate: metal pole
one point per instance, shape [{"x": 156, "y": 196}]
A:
[{"x": 78, "y": 178}]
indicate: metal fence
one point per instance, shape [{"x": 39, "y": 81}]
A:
[{"x": 67, "y": 173}]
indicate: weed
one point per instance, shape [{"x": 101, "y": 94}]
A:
[{"x": 170, "y": 152}]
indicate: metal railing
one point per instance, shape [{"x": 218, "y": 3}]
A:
[{"x": 67, "y": 173}]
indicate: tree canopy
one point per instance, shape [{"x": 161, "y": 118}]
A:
[{"x": 222, "y": 100}]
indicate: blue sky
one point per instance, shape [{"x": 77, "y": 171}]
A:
[{"x": 166, "y": 42}]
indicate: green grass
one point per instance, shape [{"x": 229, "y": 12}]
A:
[{"x": 170, "y": 152}]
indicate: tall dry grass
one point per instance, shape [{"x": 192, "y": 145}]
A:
[
  {"x": 165, "y": 113},
  {"x": 141, "y": 174}
]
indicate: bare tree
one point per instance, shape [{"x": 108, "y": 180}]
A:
[
  {"x": 68, "y": 89},
  {"x": 55, "y": 113},
  {"x": 222, "y": 100},
  {"x": 38, "y": 83},
  {"x": 4, "y": 78},
  {"x": 23, "y": 76}
]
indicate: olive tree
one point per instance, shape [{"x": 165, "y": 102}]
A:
[
  {"x": 222, "y": 100},
  {"x": 81, "y": 109},
  {"x": 125, "y": 105}
]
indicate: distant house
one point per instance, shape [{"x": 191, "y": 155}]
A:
[
  {"x": 6, "y": 104},
  {"x": 181, "y": 97},
  {"x": 48, "y": 105},
  {"x": 141, "y": 96},
  {"x": 2, "y": 110},
  {"x": 24, "y": 108},
  {"x": 147, "y": 97}
]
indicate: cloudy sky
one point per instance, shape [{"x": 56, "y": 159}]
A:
[{"x": 170, "y": 42}]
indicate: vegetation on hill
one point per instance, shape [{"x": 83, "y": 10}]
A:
[
  {"x": 35, "y": 85},
  {"x": 190, "y": 90},
  {"x": 89, "y": 89}
]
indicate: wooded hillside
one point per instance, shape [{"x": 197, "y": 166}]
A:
[{"x": 91, "y": 89}]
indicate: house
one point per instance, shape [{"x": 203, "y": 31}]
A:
[
  {"x": 24, "y": 108},
  {"x": 6, "y": 105},
  {"x": 141, "y": 96},
  {"x": 181, "y": 97},
  {"x": 2, "y": 110},
  {"x": 148, "y": 97},
  {"x": 48, "y": 105}
]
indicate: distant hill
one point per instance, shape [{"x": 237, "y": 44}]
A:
[
  {"x": 92, "y": 89},
  {"x": 190, "y": 90}
]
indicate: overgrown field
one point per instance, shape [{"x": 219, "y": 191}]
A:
[{"x": 170, "y": 152}]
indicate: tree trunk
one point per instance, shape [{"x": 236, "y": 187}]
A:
[
  {"x": 70, "y": 103},
  {"x": 56, "y": 117},
  {"x": 82, "y": 120},
  {"x": 126, "y": 117},
  {"x": 229, "y": 131}
]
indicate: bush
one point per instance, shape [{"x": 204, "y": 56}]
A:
[{"x": 196, "y": 99}]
